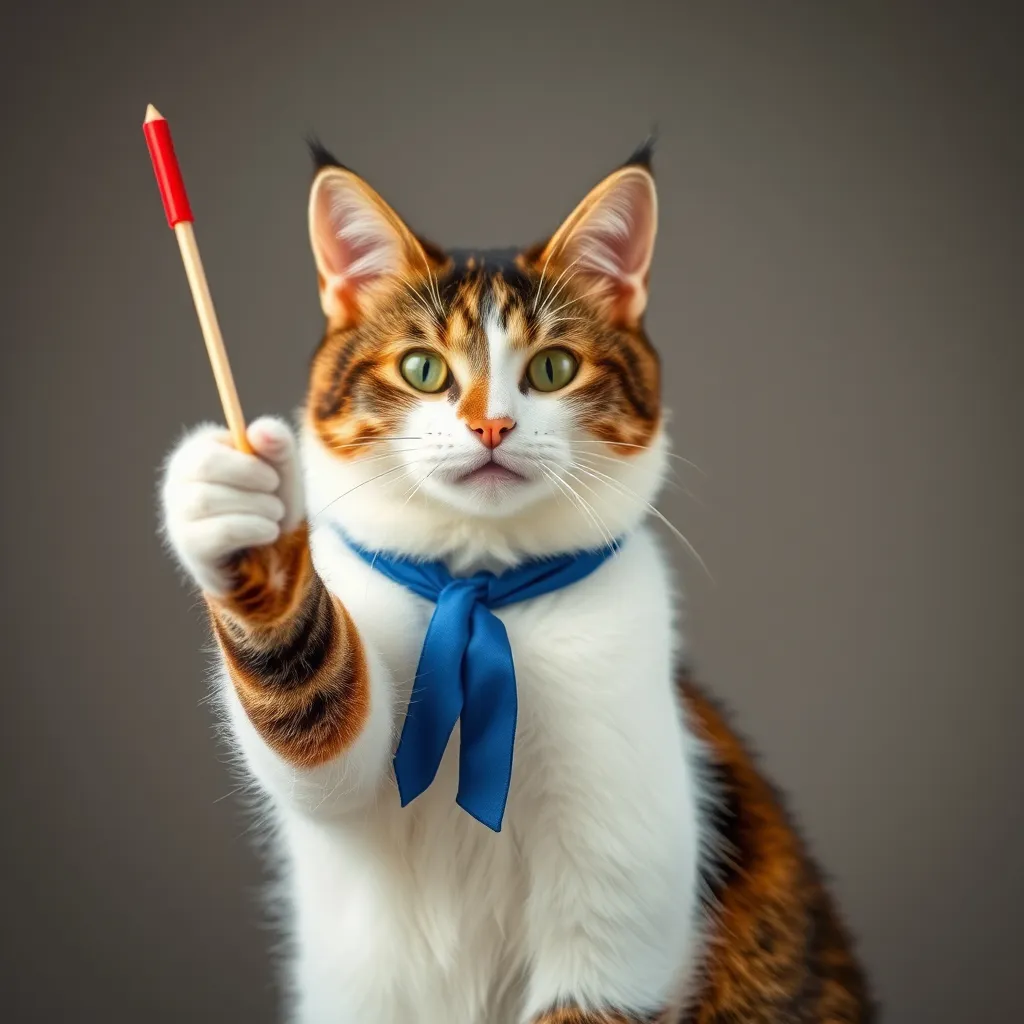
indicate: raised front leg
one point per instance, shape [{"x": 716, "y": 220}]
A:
[{"x": 308, "y": 699}]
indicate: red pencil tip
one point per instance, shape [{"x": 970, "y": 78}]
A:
[{"x": 165, "y": 165}]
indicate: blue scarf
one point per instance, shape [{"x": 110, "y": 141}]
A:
[{"x": 466, "y": 672}]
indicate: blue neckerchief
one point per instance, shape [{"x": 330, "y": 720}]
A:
[{"x": 466, "y": 672}]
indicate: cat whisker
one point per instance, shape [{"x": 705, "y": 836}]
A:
[
  {"x": 363, "y": 483},
  {"x": 566, "y": 490},
  {"x": 424, "y": 305},
  {"x": 556, "y": 288},
  {"x": 232, "y": 792},
  {"x": 372, "y": 441},
  {"x": 669, "y": 482},
  {"x": 544, "y": 270},
  {"x": 368, "y": 460},
  {"x": 546, "y": 309},
  {"x": 420, "y": 483},
  {"x": 540, "y": 283},
  {"x": 613, "y": 543},
  {"x": 575, "y": 299},
  {"x": 435, "y": 294},
  {"x": 628, "y": 492},
  {"x": 642, "y": 447},
  {"x": 579, "y": 501},
  {"x": 566, "y": 320}
]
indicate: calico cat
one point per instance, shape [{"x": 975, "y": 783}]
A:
[{"x": 479, "y": 418}]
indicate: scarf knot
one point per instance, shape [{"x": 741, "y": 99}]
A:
[
  {"x": 479, "y": 586},
  {"x": 466, "y": 672}
]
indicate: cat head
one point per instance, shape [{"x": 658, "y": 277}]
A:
[{"x": 498, "y": 404}]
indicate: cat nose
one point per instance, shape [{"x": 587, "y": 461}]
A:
[{"x": 492, "y": 432}]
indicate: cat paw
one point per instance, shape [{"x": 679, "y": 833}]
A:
[{"x": 218, "y": 502}]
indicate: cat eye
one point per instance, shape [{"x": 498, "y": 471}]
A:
[
  {"x": 425, "y": 371},
  {"x": 552, "y": 369}
]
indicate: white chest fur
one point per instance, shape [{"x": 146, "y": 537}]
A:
[{"x": 422, "y": 914}]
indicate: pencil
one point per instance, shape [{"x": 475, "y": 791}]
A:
[{"x": 179, "y": 218}]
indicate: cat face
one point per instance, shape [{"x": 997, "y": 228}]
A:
[{"x": 487, "y": 384}]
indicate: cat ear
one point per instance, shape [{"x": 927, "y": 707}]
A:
[
  {"x": 360, "y": 244},
  {"x": 607, "y": 243}
]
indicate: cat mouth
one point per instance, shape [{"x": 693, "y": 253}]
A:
[{"x": 491, "y": 472}]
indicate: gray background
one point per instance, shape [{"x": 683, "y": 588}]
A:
[{"x": 837, "y": 294}]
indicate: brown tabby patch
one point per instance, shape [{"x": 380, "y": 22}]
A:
[
  {"x": 778, "y": 952},
  {"x": 293, "y": 654},
  {"x": 268, "y": 581},
  {"x": 573, "y": 1015}
]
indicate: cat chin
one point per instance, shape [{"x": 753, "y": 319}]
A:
[{"x": 489, "y": 498}]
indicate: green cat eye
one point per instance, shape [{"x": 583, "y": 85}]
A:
[
  {"x": 552, "y": 369},
  {"x": 425, "y": 371}
]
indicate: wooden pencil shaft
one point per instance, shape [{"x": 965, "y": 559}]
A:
[{"x": 211, "y": 335}]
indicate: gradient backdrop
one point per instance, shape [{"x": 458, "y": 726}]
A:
[{"x": 838, "y": 297}]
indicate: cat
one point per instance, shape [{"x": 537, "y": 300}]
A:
[{"x": 481, "y": 411}]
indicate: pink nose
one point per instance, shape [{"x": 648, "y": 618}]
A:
[{"x": 492, "y": 432}]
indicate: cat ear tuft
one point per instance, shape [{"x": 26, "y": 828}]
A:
[
  {"x": 643, "y": 155},
  {"x": 608, "y": 241},
  {"x": 321, "y": 156},
  {"x": 359, "y": 243}
]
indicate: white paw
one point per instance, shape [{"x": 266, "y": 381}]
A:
[{"x": 218, "y": 501}]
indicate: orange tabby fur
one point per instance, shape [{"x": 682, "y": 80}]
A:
[{"x": 292, "y": 653}]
